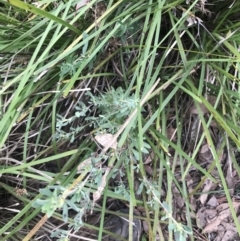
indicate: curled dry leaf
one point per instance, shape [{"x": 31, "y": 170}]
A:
[
  {"x": 229, "y": 226},
  {"x": 222, "y": 213},
  {"x": 205, "y": 153},
  {"x": 106, "y": 139},
  {"x": 210, "y": 98},
  {"x": 207, "y": 188},
  {"x": 81, "y": 3},
  {"x": 213, "y": 202},
  {"x": 228, "y": 235},
  {"x": 145, "y": 226},
  {"x": 171, "y": 133},
  {"x": 178, "y": 199},
  {"x": 149, "y": 158},
  {"x": 212, "y": 226},
  {"x": 194, "y": 111},
  {"x": 148, "y": 169},
  {"x": 225, "y": 206},
  {"x": 230, "y": 179},
  {"x": 98, "y": 193},
  {"x": 204, "y": 215}
]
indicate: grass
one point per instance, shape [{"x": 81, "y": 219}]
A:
[{"x": 160, "y": 78}]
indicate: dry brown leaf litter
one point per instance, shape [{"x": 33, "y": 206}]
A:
[
  {"x": 105, "y": 139},
  {"x": 208, "y": 205}
]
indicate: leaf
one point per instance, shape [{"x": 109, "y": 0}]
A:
[
  {"x": 48, "y": 209},
  {"x": 84, "y": 50},
  {"x": 163, "y": 218},
  {"x": 39, "y": 203},
  {"x": 42, "y": 13},
  {"x": 179, "y": 236},
  {"x": 171, "y": 227},
  {"x": 72, "y": 139},
  {"x": 212, "y": 226},
  {"x": 45, "y": 191},
  {"x": 140, "y": 188},
  {"x": 72, "y": 205},
  {"x": 166, "y": 207},
  {"x": 78, "y": 114},
  {"x": 106, "y": 139},
  {"x": 136, "y": 154},
  {"x": 207, "y": 187},
  {"x": 65, "y": 212},
  {"x": 187, "y": 230}
]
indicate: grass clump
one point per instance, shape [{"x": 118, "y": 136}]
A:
[{"x": 115, "y": 105}]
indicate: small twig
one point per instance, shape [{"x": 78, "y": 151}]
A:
[{"x": 36, "y": 228}]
